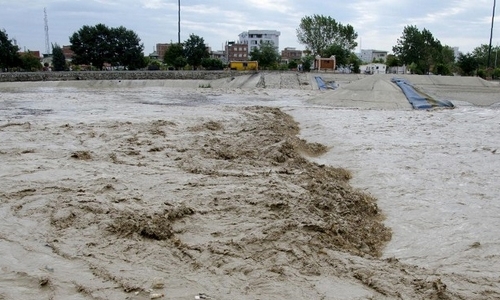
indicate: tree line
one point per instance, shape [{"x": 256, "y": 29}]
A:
[{"x": 98, "y": 46}]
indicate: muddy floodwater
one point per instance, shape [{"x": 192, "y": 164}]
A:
[{"x": 141, "y": 192}]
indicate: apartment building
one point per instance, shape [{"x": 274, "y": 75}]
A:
[
  {"x": 369, "y": 55},
  {"x": 161, "y": 49},
  {"x": 253, "y": 38},
  {"x": 290, "y": 54},
  {"x": 236, "y": 51}
]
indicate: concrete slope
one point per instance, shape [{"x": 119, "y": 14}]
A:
[
  {"x": 473, "y": 90},
  {"x": 372, "y": 92},
  {"x": 245, "y": 81}
]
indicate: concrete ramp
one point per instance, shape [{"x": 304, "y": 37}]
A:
[
  {"x": 246, "y": 81},
  {"x": 373, "y": 92},
  {"x": 458, "y": 89}
]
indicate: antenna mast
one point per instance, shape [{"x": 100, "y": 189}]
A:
[{"x": 47, "y": 44}]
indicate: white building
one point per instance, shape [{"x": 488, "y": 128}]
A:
[
  {"x": 373, "y": 69},
  {"x": 368, "y": 55},
  {"x": 253, "y": 38}
]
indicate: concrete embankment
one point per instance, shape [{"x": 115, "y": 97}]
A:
[{"x": 116, "y": 75}]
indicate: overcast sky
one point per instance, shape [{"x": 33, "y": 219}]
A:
[{"x": 379, "y": 23}]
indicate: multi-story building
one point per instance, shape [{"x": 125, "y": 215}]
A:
[
  {"x": 369, "y": 55},
  {"x": 68, "y": 53},
  {"x": 161, "y": 49},
  {"x": 236, "y": 51},
  {"x": 219, "y": 54},
  {"x": 290, "y": 54},
  {"x": 253, "y": 38}
]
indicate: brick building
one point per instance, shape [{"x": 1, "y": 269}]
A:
[
  {"x": 290, "y": 54},
  {"x": 236, "y": 52},
  {"x": 68, "y": 53}
]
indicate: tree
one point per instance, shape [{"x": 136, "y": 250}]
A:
[
  {"x": 307, "y": 62},
  {"x": 30, "y": 62},
  {"x": 342, "y": 55},
  {"x": 318, "y": 32},
  {"x": 292, "y": 65},
  {"x": 9, "y": 56},
  {"x": 354, "y": 63},
  {"x": 468, "y": 64},
  {"x": 445, "y": 61},
  {"x": 393, "y": 61},
  {"x": 212, "y": 64},
  {"x": 267, "y": 55},
  {"x": 195, "y": 50},
  {"x": 58, "y": 59},
  {"x": 172, "y": 54},
  {"x": 99, "y": 44},
  {"x": 127, "y": 49},
  {"x": 419, "y": 49},
  {"x": 481, "y": 54}
]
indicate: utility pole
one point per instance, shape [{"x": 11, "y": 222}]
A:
[
  {"x": 179, "y": 23},
  {"x": 491, "y": 33},
  {"x": 46, "y": 21}
]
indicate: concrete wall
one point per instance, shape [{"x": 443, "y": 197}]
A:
[{"x": 114, "y": 75}]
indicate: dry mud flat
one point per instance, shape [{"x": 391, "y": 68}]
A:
[{"x": 228, "y": 206}]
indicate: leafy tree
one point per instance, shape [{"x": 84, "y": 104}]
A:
[
  {"x": 419, "y": 49},
  {"x": 154, "y": 65},
  {"x": 392, "y": 61},
  {"x": 354, "y": 63},
  {"x": 9, "y": 56},
  {"x": 195, "y": 50},
  {"x": 172, "y": 55},
  {"x": 307, "y": 62},
  {"x": 58, "y": 59},
  {"x": 212, "y": 64},
  {"x": 445, "y": 61},
  {"x": 127, "y": 48},
  {"x": 292, "y": 65},
  {"x": 319, "y": 32},
  {"x": 180, "y": 62},
  {"x": 99, "y": 44},
  {"x": 481, "y": 53},
  {"x": 30, "y": 62},
  {"x": 267, "y": 55},
  {"x": 342, "y": 55},
  {"x": 496, "y": 73},
  {"x": 467, "y": 63}
]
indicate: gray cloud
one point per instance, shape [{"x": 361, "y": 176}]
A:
[{"x": 379, "y": 23}]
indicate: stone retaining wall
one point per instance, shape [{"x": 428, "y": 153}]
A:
[{"x": 114, "y": 75}]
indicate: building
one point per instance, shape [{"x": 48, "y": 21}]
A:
[
  {"x": 325, "y": 64},
  {"x": 219, "y": 54},
  {"x": 253, "y": 38},
  {"x": 236, "y": 52},
  {"x": 290, "y": 54},
  {"x": 374, "y": 68},
  {"x": 68, "y": 53},
  {"x": 244, "y": 65},
  {"x": 370, "y": 55},
  {"x": 161, "y": 49}
]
